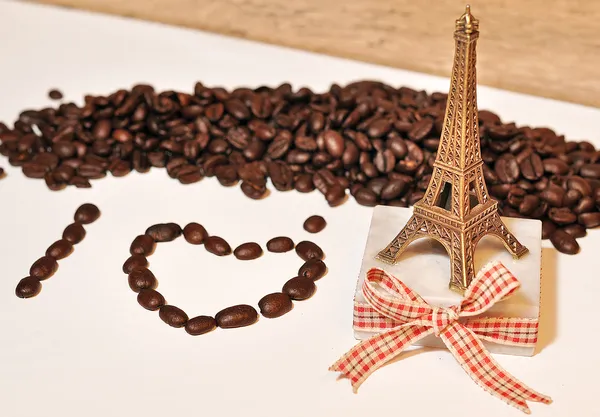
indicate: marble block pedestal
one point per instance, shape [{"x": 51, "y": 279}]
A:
[{"x": 425, "y": 267}]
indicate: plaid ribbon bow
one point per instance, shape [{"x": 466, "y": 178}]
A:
[{"x": 404, "y": 317}]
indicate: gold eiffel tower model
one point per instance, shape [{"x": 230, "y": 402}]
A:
[{"x": 456, "y": 209}]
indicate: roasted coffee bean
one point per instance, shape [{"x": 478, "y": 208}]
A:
[
  {"x": 87, "y": 213},
  {"x": 585, "y": 205},
  {"x": 74, "y": 233},
  {"x": 553, "y": 195},
  {"x": 309, "y": 250},
  {"x": 43, "y": 268},
  {"x": 226, "y": 175},
  {"x": 564, "y": 242},
  {"x": 314, "y": 224},
  {"x": 173, "y": 316},
  {"x": 60, "y": 249},
  {"x": 28, "y": 287},
  {"x": 164, "y": 232},
  {"x": 420, "y": 130},
  {"x": 133, "y": 262},
  {"x": 304, "y": 183},
  {"x": 253, "y": 191},
  {"x": 366, "y": 197},
  {"x": 217, "y": 246},
  {"x": 314, "y": 269},
  {"x": 335, "y": 195},
  {"x": 300, "y": 288},
  {"x": 529, "y": 204},
  {"x": 275, "y": 305},
  {"x": 589, "y": 220},
  {"x": 150, "y": 299},
  {"x": 548, "y": 227},
  {"x": 590, "y": 171},
  {"x": 334, "y": 143},
  {"x": 195, "y": 233},
  {"x": 55, "y": 94},
  {"x": 248, "y": 251},
  {"x": 280, "y": 244},
  {"x": 579, "y": 184},
  {"x": 562, "y": 216},
  {"x": 575, "y": 230},
  {"x": 555, "y": 166},
  {"x": 141, "y": 278},
  {"x": 142, "y": 245},
  {"x": 236, "y": 316},
  {"x": 200, "y": 325},
  {"x": 507, "y": 169},
  {"x": 393, "y": 189}
]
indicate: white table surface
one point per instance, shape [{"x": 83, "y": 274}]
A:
[{"x": 84, "y": 347}]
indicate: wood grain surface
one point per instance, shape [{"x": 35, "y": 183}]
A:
[{"x": 549, "y": 48}]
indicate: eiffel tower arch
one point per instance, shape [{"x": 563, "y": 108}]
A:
[{"x": 456, "y": 209}]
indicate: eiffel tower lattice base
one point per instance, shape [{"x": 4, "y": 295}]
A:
[{"x": 459, "y": 242}]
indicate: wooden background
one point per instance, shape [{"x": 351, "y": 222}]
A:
[{"x": 549, "y": 48}]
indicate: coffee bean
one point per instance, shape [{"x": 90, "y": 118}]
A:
[
  {"x": 555, "y": 166},
  {"x": 393, "y": 189},
  {"x": 590, "y": 171},
  {"x": 554, "y": 195},
  {"x": 366, "y": 197},
  {"x": 585, "y": 205},
  {"x": 248, "y": 251},
  {"x": 507, "y": 169},
  {"x": 314, "y": 224},
  {"x": 173, "y": 316},
  {"x": 304, "y": 183},
  {"x": 562, "y": 216},
  {"x": 34, "y": 170},
  {"x": 309, "y": 250},
  {"x": 74, "y": 233},
  {"x": 300, "y": 288},
  {"x": 87, "y": 213},
  {"x": 141, "y": 278},
  {"x": 200, "y": 325},
  {"x": 195, "y": 233},
  {"x": 150, "y": 299},
  {"x": 589, "y": 220},
  {"x": 55, "y": 94},
  {"x": 217, "y": 246},
  {"x": 575, "y": 230},
  {"x": 60, "y": 249},
  {"x": 253, "y": 191},
  {"x": 280, "y": 244},
  {"x": 564, "y": 242},
  {"x": 133, "y": 262},
  {"x": 236, "y": 316},
  {"x": 142, "y": 245},
  {"x": 335, "y": 195},
  {"x": 164, "y": 232},
  {"x": 43, "y": 268},
  {"x": 420, "y": 130},
  {"x": 314, "y": 269},
  {"x": 334, "y": 143},
  {"x": 28, "y": 287},
  {"x": 275, "y": 305},
  {"x": 237, "y": 109},
  {"x": 548, "y": 228}
]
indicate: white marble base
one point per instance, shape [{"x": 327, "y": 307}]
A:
[{"x": 425, "y": 267}]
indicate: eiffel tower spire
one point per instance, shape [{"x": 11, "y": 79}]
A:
[{"x": 456, "y": 209}]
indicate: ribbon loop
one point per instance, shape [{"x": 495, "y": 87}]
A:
[{"x": 403, "y": 318}]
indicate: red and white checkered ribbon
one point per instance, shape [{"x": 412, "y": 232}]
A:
[{"x": 404, "y": 317}]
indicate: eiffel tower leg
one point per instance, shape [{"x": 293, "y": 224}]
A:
[
  {"x": 461, "y": 262},
  {"x": 409, "y": 232},
  {"x": 510, "y": 241}
]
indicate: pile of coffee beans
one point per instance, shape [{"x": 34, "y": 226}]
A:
[
  {"x": 47, "y": 265},
  {"x": 142, "y": 280},
  {"x": 377, "y": 141}
]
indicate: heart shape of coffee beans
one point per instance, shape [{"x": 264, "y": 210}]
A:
[{"x": 143, "y": 281}]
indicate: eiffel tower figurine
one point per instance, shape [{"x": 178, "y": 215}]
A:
[{"x": 456, "y": 209}]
